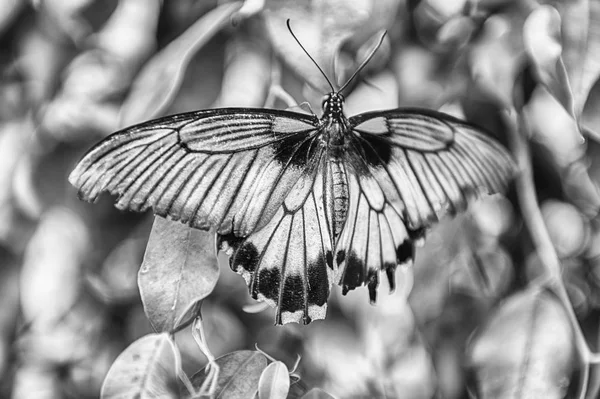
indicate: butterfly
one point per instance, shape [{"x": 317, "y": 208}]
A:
[{"x": 300, "y": 202}]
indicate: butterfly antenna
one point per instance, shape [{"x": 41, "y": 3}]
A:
[
  {"x": 311, "y": 58},
  {"x": 364, "y": 63}
]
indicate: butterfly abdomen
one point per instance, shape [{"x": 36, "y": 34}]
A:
[{"x": 338, "y": 194}]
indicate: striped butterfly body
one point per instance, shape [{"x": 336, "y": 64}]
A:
[{"x": 300, "y": 202}]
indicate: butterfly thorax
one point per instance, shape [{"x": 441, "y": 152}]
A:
[{"x": 334, "y": 125}]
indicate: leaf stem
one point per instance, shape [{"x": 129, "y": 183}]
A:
[
  {"x": 179, "y": 368},
  {"x": 276, "y": 91},
  {"x": 209, "y": 386}
]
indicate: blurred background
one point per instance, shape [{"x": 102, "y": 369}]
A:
[{"x": 74, "y": 71}]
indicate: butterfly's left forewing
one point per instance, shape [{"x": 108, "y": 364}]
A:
[
  {"x": 223, "y": 169},
  {"x": 408, "y": 167}
]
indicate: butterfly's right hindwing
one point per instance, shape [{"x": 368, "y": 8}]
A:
[{"x": 225, "y": 169}]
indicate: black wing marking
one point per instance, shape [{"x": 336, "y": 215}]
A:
[
  {"x": 408, "y": 167},
  {"x": 288, "y": 263},
  {"x": 226, "y": 169}
]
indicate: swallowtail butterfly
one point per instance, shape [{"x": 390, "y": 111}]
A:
[{"x": 300, "y": 202}]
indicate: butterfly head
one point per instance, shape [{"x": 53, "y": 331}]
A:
[{"x": 333, "y": 105}]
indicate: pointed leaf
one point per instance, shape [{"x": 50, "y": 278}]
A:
[
  {"x": 456, "y": 32},
  {"x": 525, "y": 351},
  {"x": 146, "y": 369},
  {"x": 496, "y": 59},
  {"x": 51, "y": 275},
  {"x": 8, "y": 11},
  {"x": 238, "y": 375},
  {"x": 566, "y": 226},
  {"x": 541, "y": 35},
  {"x": 581, "y": 42},
  {"x": 11, "y": 310},
  {"x": 381, "y": 93},
  {"x": 482, "y": 273},
  {"x": 274, "y": 382},
  {"x": 33, "y": 381},
  {"x": 247, "y": 74},
  {"x": 16, "y": 187},
  {"x": 159, "y": 81},
  {"x": 179, "y": 270}
]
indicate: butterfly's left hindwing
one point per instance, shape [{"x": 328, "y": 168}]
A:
[
  {"x": 406, "y": 168},
  {"x": 288, "y": 262}
]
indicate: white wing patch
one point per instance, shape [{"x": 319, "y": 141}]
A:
[{"x": 420, "y": 132}]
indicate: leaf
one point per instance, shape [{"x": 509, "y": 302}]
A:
[
  {"x": 116, "y": 281},
  {"x": 590, "y": 117},
  {"x": 274, "y": 382},
  {"x": 130, "y": 34},
  {"x": 51, "y": 275},
  {"x": 399, "y": 363},
  {"x": 581, "y": 46},
  {"x": 484, "y": 274},
  {"x": 496, "y": 59},
  {"x": 238, "y": 376},
  {"x": 456, "y": 33},
  {"x": 67, "y": 16},
  {"x": 382, "y": 93},
  {"x": 33, "y": 381},
  {"x": 317, "y": 393},
  {"x": 9, "y": 10},
  {"x": 160, "y": 79},
  {"x": 9, "y": 316},
  {"x": 327, "y": 348},
  {"x": 247, "y": 74},
  {"x": 526, "y": 349},
  {"x": 553, "y": 128},
  {"x": 146, "y": 369},
  {"x": 567, "y": 229},
  {"x": 251, "y": 7},
  {"x": 178, "y": 271},
  {"x": 541, "y": 35},
  {"x": 16, "y": 187}
]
